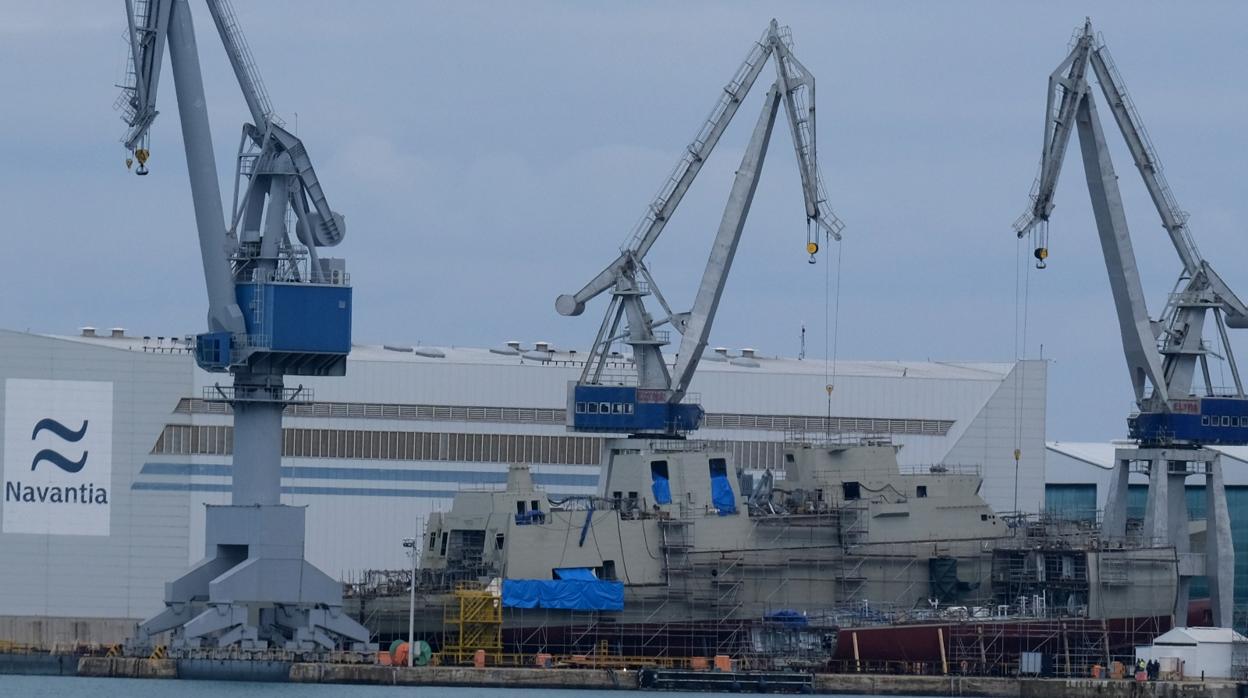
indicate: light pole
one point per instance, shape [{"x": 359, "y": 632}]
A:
[{"x": 413, "y": 546}]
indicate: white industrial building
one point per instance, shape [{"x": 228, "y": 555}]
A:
[
  {"x": 373, "y": 453},
  {"x": 1198, "y": 653}
]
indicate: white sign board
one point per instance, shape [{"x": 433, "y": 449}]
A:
[{"x": 58, "y": 451}]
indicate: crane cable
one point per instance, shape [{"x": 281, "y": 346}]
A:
[
  {"x": 1022, "y": 304},
  {"x": 829, "y": 360}
]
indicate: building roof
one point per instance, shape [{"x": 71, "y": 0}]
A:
[
  {"x": 1101, "y": 453},
  {"x": 506, "y": 356},
  {"x": 1193, "y": 636}
]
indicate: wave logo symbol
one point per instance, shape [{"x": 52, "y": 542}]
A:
[{"x": 53, "y": 457}]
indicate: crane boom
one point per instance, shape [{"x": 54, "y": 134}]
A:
[{"x": 650, "y": 400}]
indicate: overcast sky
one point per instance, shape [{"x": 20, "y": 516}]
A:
[{"x": 489, "y": 156}]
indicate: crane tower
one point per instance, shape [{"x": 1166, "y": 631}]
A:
[{"x": 276, "y": 308}]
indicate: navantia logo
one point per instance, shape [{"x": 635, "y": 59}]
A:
[
  {"x": 58, "y": 449},
  {"x": 54, "y": 457}
]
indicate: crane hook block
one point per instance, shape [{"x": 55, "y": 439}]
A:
[
  {"x": 140, "y": 154},
  {"x": 1041, "y": 254},
  {"x": 812, "y": 248}
]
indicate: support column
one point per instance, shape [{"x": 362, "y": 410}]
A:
[
  {"x": 1219, "y": 548},
  {"x": 1115, "y": 524},
  {"x": 257, "y": 440}
]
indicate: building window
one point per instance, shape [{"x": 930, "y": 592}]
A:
[
  {"x": 580, "y": 408},
  {"x": 1226, "y": 421},
  {"x": 433, "y": 540},
  {"x": 1204, "y": 420},
  {"x": 498, "y": 542},
  {"x": 920, "y": 491},
  {"x": 852, "y": 491},
  {"x": 445, "y": 538},
  {"x": 628, "y": 408},
  {"x": 520, "y": 508},
  {"x": 617, "y": 408},
  {"x": 605, "y": 408},
  {"x": 593, "y": 408}
]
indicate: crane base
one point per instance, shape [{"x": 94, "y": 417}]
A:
[{"x": 254, "y": 590}]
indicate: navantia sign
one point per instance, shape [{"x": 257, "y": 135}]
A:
[{"x": 58, "y": 450}]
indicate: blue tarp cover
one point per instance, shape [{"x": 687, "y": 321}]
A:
[
  {"x": 576, "y": 573},
  {"x": 662, "y": 490},
  {"x": 789, "y": 617},
  {"x": 572, "y": 595},
  {"x": 721, "y": 492}
]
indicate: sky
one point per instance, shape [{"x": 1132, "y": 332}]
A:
[{"x": 490, "y": 156}]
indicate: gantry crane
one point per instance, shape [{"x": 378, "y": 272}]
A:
[
  {"x": 275, "y": 308},
  {"x": 1174, "y": 423},
  {"x": 648, "y": 397}
]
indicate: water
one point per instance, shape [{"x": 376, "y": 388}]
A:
[{"x": 75, "y": 687}]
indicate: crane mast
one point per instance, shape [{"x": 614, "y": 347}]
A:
[
  {"x": 647, "y": 397},
  {"x": 275, "y": 308},
  {"x": 1174, "y": 424}
]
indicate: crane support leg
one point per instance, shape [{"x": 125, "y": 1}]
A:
[
  {"x": 1166, "y": 520},
  {"x": 1219, "y": 548}
]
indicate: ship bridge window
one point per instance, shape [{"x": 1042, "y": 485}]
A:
[
  {"x": 607, "y": 571},
  {"x": 520, "y": 507},
  {"x": 851, "y": 490},
  {"x": 788, "y": 458},
  {"x": 535, "y": 505},
  {"x": 433, "y": 540},
  {"x": 445, "y": 538},
  {"x": 920, "y": 491},
  {"x": 1204, "y": 420},
  {"x": 498, "y": 542}
]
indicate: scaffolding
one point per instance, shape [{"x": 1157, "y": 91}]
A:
[{"x": 472, "y": 622}]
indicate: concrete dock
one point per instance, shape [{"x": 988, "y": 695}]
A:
[{"x": 615, "y": 679}]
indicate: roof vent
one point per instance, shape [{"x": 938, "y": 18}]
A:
[
  {"x": 748, "y": 353},
  {"x": 88, "y": 331},
  {"x": 722, "y": 351},
  {"x": 118, "y": 332},
  {"x": 513, "y": 344},
  {"x": 542, "y": 346}
]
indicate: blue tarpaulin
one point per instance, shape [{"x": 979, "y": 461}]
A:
[
  {"x": 583, "y": 573},
  {"x": 572, "y": 595},
  {"x": 662, "y": 490},
  {"x": 721, "y": 492},
  {"x": 789, "y": 617}
]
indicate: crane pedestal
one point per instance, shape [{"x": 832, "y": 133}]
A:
[
  {"x": 1166, "y": 519},
  {"x": 254, "y": 589}
]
